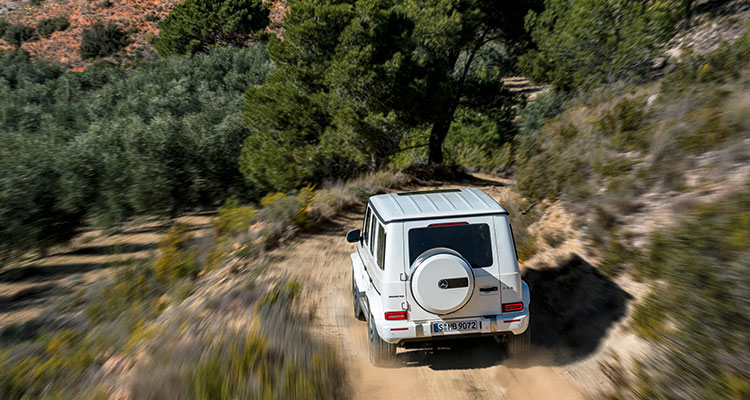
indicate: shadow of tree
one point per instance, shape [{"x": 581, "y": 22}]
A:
[
  {"x": 122, "y": 248},
  {"x": 31, "y": 296},
  {"x": 572, "y": 307},
  {"x": 46, "y": 272}
]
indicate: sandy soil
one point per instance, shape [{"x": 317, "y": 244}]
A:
[{"x": 29, "y": 290}]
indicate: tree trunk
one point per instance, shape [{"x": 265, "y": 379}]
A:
[
  {"x": 688, "y": 13},
  {"x": 437, "y": 137},
  {"x": 444, "y": 120}
]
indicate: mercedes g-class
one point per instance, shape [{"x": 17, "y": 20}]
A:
[{"x": 437, "y": 264}]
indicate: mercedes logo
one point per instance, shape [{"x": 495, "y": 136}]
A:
[{"x": 443, "y": 284}]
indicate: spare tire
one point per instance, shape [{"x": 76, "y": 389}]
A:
[{"x": 442, "y": 281}]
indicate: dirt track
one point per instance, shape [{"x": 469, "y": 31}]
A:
[
  {"x": 568, "y": 343},
  {"x": 468, "y": 369}
]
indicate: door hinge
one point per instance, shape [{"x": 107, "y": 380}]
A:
[{"x": 403, "y": 277}]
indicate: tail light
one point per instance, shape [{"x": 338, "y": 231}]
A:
[
  {"x": 395, "y": 315},
  {"x": 512, "y": 307}
]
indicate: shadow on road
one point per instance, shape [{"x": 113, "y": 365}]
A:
[
  {"x": 572, "y": 308},
  {"x": 47, "y": 272},
  {"x": 30, "y": 297},
  {"x": 113, "y": 249}
]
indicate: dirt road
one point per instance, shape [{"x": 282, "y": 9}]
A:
[{"x": 470, "y": 369}]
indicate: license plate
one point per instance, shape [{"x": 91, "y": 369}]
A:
[{"x": 455, "y": 326}]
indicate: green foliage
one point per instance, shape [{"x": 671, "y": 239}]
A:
[
  {"x": 705, "y": 266},
  {"x": 197, "y": 25},
  {"x": 48, "y": 26},
  {"x": 580, "y": 149},
  {"x": 545, "y": 106},
  {"x": 100, "y": 40},
  {"x": 177, "y": 258},
  {"x": 478, "y": 142},
  {"x": 623, "y": 124},
  {"x": 233, "y": 219},
  {"x": 17, "y": 34},
  {"x": 103, "y": 145},
  {"x": 32, "y": 216},
  {"x": 3, "y": 26},
  {"x": 355, "y": 77},
  {"x": 584, "y": 43},
  {"x": 649, "y": 318}
]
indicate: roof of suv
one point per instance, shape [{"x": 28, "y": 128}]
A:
[{"x": 428, "y": 204}]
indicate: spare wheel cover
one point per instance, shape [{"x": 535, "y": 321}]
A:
[{"x": 442, "y": 281}]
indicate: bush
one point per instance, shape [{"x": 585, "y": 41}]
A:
[
  {"x": 700, "y": 313},
  {"x": 233, "y": 219},
  {"x": 197, "y": 25},
  {"x": 623, "y": 123},
  {"x": 585, "y": 43},
  {"x": 177, "y": 258},
  {"x": 477, "y": 142},
  {"x": 3, "y": 26},
  {"x": 48, "y": 26},
  {"x": 100, "y": 40},
  {"x": 542, "y": 108},
  {"x": 17, "y": 34}
]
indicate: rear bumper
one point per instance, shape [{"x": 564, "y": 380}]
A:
[{"x": 398, "y": 332}]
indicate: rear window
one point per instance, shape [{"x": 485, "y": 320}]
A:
[{"x": 471, "y": 241}]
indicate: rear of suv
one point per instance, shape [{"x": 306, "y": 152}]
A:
[{"x": 435, "y": 265}]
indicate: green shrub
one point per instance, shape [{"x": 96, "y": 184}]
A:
[
  {"x": 706, "y": 130},
  {"x": 48, "y": 26},
  {"x": 197, "y": 25},
  {"x": 177, "y": 258},
  {"x": 542, "y": 108},
  {"x": 100, "y": 40},
  {"x": 17, "y": 34},
  {"x": 585, "y": 43},
  {"x": 649, "y": 318},
  {"x": 233, "y": 219},
  {"x": 724, "y": 64},
  {"x": 615, "y": 258},
  {"x": 698, "y": 309},
  {"x": 623, "y": 124},
  {"x": 3, "y": 26},
  {"x": 477, "y": 142}
]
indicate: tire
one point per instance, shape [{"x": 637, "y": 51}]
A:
[
  {"x": 382, "y": 353},
  {"x": 519, "y": 346},
  {"x": 358, "y": 313}
]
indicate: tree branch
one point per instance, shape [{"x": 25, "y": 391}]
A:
[{"x": 411, "y": 147}]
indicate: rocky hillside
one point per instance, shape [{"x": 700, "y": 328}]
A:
[{"x": 139, "y": 18}]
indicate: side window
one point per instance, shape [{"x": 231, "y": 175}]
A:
[
  {"x": 381, "y": 246},
  {"x": 365, "y": 229},
  {"x": 373, "y": 225}
]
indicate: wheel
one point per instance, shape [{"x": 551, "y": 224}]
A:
[
  {"x": 520, "y": 345},
  {"x": 358, "y": 313},
  {"x": 382, "y": 353}
]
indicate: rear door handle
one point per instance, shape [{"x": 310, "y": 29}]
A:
[{"x": 488, "y": 289}]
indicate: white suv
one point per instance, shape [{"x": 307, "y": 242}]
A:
[{"x": 435, "y": 265}]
